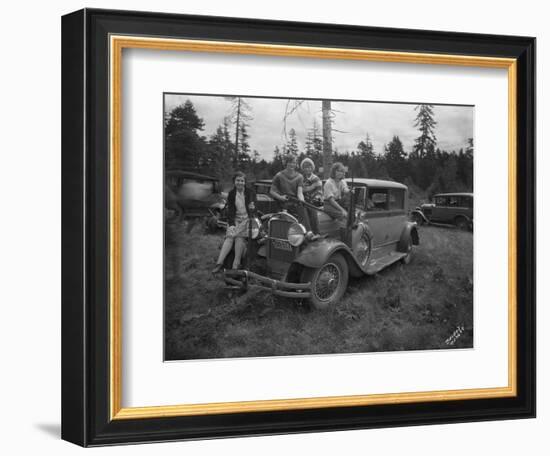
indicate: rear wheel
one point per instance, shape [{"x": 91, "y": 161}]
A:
[
  {"x": 328, "y": 283},
  {"x": 408, "y": 257},
  {"x": 461, "y": 223},
  {"x": 362, "y": 250}
]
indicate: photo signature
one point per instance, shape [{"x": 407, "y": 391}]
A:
[{"x": 455, "y": 335}]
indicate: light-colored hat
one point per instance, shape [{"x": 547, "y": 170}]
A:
[{"x": 307, "y": 161}]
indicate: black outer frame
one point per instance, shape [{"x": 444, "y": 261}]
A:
[{"x": 85, "y": 227}]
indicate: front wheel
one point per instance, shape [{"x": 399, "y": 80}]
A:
[
  {"x": 328, "y": 283},
  {"x": 417, "y": 218}
]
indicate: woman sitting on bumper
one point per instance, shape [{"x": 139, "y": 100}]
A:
[{"x": 240, "y": 206}]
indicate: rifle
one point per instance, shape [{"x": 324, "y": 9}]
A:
[
  {"x": 351, "y": 213},
  {"x": 303, "y": 203},
  {"x": 251, "y": 217}
]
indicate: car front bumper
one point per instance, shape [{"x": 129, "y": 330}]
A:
[{"x": 242, "y": 279}]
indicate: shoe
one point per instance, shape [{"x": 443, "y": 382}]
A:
[{"x": 217, "y": 268}]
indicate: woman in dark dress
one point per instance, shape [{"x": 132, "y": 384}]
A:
[{"x": 240, "y": 206}]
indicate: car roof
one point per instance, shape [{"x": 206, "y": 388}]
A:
[
  {"x": 181, "y": 173},
  {"x": 376, "y": 183},
  {"x": 455, "y": 194}
]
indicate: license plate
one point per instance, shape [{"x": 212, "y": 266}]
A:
[{"x": 281, "y": 245}]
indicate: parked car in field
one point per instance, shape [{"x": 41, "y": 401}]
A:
[
  {"x": 447, "y": 208},
  {"x": 378, "y": 234},
  {"x": 191, "y": 195}
]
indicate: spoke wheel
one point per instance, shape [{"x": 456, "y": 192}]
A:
[
  {"x": 408, "y": 257},
  {"x": 362, "y": 250},
  {"x": 328, "y": 283}
]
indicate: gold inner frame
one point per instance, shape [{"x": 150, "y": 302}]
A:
[{"x": 117, "y": 44}]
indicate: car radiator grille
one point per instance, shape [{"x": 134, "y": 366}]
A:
[{"x": 279, "y": 248}]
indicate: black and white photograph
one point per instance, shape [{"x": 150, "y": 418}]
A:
[{"x": 316, "y": 226}]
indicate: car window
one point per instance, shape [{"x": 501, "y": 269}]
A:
[
  {"x": 378, "y": 200},
  {"x": 359, "y": 192},
  {"x": 440, "y": 201},
  {"x": 454, "y": 201},
  {"x": 466, "y": 201},
  {"x": 397, "y": 198},
  {"x": 262, "y": 189}
]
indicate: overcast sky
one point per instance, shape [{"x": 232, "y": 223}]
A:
[{"x": 352, "y": 121}]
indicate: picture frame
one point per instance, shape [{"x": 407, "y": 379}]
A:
[{"x": 92, "y": 45}]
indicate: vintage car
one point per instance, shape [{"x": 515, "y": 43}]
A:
[
  {"x": 378, "y": 234},
  {"x": 447, "y": 208},
  {"x": 191, "y": 195}
]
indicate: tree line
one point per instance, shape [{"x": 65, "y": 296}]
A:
[{"x": 426, "y": 168}]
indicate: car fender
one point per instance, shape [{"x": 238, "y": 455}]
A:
[
  {"x": 421, "y": 214},
  {"x": 317, "y": 253},
  {"x": 410, "y": 232},
  {"x": 464, "y": 216}
]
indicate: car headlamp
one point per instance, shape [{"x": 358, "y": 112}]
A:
[
  {"x": 296, "y": 234},
  {"x": 255, "y": 230}
]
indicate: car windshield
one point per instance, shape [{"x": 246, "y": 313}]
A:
[{"x": 262, "y": 188}]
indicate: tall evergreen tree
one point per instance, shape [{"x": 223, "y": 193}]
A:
[
  {"x": 244, "y": 147},
  {"x": 183, "y": 145},
  {"x": 292, "y": 143},
  {"x": 314, "y": 144},
  {"x": 465, "y": 166},
  {"x": 277, "y": 163},
  {"x": 365, "y": 148},
  {"x": 367, "y": 162},
  {"x": 220, "y": 157},
  {"x": 426, "y": 123},
  {"x": 395, "y": 159}
]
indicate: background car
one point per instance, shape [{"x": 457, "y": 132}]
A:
[
  {"x": 447, "y": 208},
  {"x": 191, "y": 195}
]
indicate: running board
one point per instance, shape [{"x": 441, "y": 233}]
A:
[{"x": 379, "y": 264}]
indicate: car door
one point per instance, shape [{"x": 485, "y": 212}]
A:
[
  {"x": 397, "y": 216},
  {"x": 440, "y": 210},
  {"x": 377, "y": 217},
  {"x": 465, "y": 206}
]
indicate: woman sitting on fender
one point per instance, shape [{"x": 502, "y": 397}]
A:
[
  {"x": 240, "y": 206},
  {"x": 334, "y": 189}
]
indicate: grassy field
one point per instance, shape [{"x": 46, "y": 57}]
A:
[{"x": 427, "y": 304}]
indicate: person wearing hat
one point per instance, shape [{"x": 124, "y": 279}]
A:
[{"x": 313, "y": 191}]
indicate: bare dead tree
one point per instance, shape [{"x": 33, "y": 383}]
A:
[
  {"x": 240, "y": 114},
  {"x": 327, "y": 137}
]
